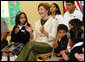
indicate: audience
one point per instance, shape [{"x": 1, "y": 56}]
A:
[{"x": 76, "y": 42}]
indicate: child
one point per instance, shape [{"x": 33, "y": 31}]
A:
[
  {"x": 72, "y": 23},
  {"x": 76, "y": 42},
  {"x": 61, "y": 44},
  {"x": 20, "y": 34},
  {"x": 55, "y": 12},
  {"x": 75, "y": 23},
  {"x": 4, "y": 33}
]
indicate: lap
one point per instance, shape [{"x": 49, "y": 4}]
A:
[{"x": 40, "y": 47}]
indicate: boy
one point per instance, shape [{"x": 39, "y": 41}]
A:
[
  {"x": 61, "y": 44},
  {"x": 72, "y": 13}
]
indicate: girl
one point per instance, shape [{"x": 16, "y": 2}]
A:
[
  {"x": 44, "y": 34},
  {"x": 20, "y": 34},
  {"x": 55, "y": 12}
]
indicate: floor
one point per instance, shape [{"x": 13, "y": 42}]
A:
[{"x": 54, "y": 58}]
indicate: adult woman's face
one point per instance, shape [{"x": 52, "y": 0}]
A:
[{"x": 42, "y": 11}]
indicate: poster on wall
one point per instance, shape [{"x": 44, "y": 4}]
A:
[{"x": 9, "y": 9}]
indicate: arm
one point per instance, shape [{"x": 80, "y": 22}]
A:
[
  {"x": 64, "y": 55},
  {"x": 4, "y": 30},
  {"x": 52, "y": 34},
  {"x": 31, "y": 35},
  {"x": 55, "y": 45},
  {"x": 29, "y": 29},
  {"x": 3, "y": 36},
  {"x": 44, "y": 32},
  {"x": 13, "y": 35}
]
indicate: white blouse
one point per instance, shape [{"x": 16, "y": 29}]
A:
[
  {"x": 59, "y": 18},
  {"x": 50, "y": 27}
]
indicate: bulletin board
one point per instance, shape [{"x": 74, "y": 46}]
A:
[{"x": 9, "y": 10}]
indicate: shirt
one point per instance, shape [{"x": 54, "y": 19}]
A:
[
  {"x": 59, "y": 18},
  {"x": 77, "y": 48},
  {"x": 50, "y": 27},
  {"x": 4, "y": 27},
  {"x": 67, "y": 17}
]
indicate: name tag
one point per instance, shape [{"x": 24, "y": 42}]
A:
[{"x": 22, "y": 30}]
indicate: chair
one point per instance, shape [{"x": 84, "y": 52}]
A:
[{"x": 44, "y": 56}]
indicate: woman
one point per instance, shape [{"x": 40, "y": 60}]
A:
[
  {"x": 44, "y": 33},
  {"x": 55, "y": 12}
]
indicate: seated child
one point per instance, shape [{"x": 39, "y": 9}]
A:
[
  {"x": 20, "y": 34},
  {"x": 61, "y": 44},
  {"x": 76, "y": 43}
]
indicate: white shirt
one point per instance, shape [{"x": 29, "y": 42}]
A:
[
  {"x": 59, "y": 18},
  {"x": 67, "y": 17},
  {"x": 77, "y": 44},
  {"x": 50, "y": 27}
]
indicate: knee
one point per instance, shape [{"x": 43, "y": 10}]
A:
[
  {"x": 4, "y": 54},
  {"x": 10, "y": 54}
]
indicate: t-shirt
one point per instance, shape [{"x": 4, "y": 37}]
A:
[
  {"x": 67, "y": 17},
  {"x": 43, "y": 21}
]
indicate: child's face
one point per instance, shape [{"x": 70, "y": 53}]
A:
[
  {"x": 61, "y": 33},
  {"x": 70, "y": 6},
  {"x": 70, "y": 26},
  {"x": 53, "y": 8},
  {"x": 22, "y": 19}
]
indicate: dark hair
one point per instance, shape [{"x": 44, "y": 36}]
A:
[
  {"x": 17, "y": 18},
  {"x": 76, "y": 34},
  {"x": 70, "y": 2},
  {"x": 75, "y": 22},
  {"x": 46, "y": 6},
  {"x": 57, "y": 7},
  {"x": 82, "y": 23},
  {"x": 62, "y": 27}
]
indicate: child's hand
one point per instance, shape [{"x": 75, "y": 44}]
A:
[
  {"x": 17, "y": 30},
  {"x": 61, "y": 52},
  {"x": 60, "y": 58},
  {"x": 29, "y": 29},
  {"x": 55, "y": 45},
  {"x": 80, "y": 57}
]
